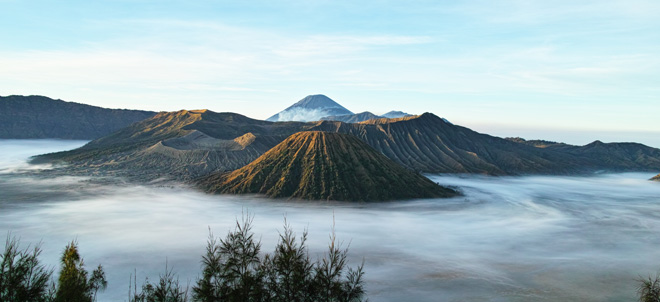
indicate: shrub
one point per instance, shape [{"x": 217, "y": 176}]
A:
[{"x": 166, "y": 290}]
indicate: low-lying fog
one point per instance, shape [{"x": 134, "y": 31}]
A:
[{"x": 508, "y": 239}]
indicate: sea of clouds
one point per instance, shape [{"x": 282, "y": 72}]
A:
[{"x": 526, "y": 238}]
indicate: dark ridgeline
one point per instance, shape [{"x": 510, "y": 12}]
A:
[
  {"x": 315, "y": 165},
  {"x": 189, "y": 144},
  {"x": 24, "y": 117}
]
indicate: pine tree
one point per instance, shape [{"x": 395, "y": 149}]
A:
[
  {"x": 232, "y": 267},
  {"x": 22, "y": 277},
  {"x": 332, "y": 281},
  {"x": 73, "y": 283},
  {"x": 289, "y": 271}
]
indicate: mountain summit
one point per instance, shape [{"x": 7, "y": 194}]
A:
[
  {"x": 315, "y": 165},
  {"x": 310, "y": 108}
]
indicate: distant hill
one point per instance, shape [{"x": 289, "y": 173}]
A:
[
  {"x": 189, "y": 144},
  {"x": 41, "y": 117},
  {"x": 310, "y": 108},
  {"x": 395, "y": 114},
  {"x": 325, "y": 166},
  {"x": 352, "y": 118},
  {"x": 618, "y": 155}
]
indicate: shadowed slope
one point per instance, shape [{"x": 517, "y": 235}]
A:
[{"x": 325, "y": 166}]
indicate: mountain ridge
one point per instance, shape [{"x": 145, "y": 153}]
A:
[
  {"x": 424, "y": 143},
  {"x": 352, "y": 118},
  {"x": 29, "y": 117}
]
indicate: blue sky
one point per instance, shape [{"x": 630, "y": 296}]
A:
[{"x": 572, "y": 71}]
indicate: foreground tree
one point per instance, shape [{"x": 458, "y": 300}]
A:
[
  {"x": 336, "y": 283},
  {"x": 232, "y": 267},
  {"x": 73, "y": 282},
  {"x": 649, "y": 289},
  {"x": 22, "y": 277},
  {"x": 289, "y": 271}
]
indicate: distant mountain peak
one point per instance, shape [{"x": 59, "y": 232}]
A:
[
  {"x": 310, "y": 108},
  {"x": 317, "y": 101}
]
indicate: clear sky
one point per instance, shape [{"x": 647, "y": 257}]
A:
[{"x": 572, "y": 71}]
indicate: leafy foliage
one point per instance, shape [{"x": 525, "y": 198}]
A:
[{"x": 22, "y": 278}]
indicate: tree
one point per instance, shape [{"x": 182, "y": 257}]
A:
[
  {"x": 232, "y": 267},
  {"x": 22, "y": 278},
  {"x": 73, "y": 284},
  {"x": 649, "y": 289},
  {"x": 334, "y": 283},
  {"x": 289, "y": 271}
]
